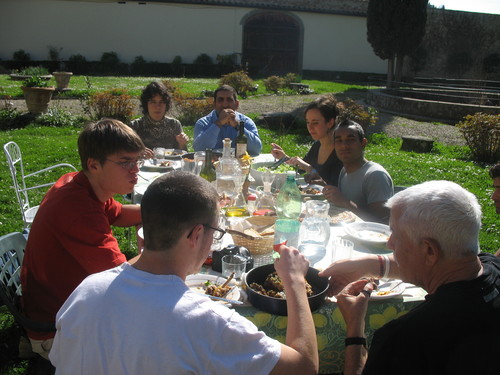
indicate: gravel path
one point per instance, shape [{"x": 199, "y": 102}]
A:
[{"x": 392, "y": 125}]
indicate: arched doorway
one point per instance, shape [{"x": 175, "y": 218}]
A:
[{"x": 272, "y": 43}]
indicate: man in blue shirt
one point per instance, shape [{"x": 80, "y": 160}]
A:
[{"x": 223, "y": 122}]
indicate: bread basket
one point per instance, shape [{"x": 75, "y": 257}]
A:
[{"x": 257, "y": 245}]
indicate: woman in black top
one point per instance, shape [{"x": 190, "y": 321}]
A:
[{"x": 321, "y": 158}]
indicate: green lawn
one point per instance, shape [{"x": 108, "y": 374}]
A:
[{"x": 43, "y": 146}]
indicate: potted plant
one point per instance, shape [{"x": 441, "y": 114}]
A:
[
  {"x": 62, "y": 80},
  {"x": 37, "y": 94},
  {"x": 30, "y": 71}
]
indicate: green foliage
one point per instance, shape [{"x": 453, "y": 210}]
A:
[
  {"x": 34, "y": 71},
  {"x": 35, "y": 81},
  {"x": 274, "y": 83},
  {"x": 482, "y": 135},
  {"x": 203, "y": 59},
  {"x": 10, "y": 118},
  {"x": 177, "y": 60},
  {"x": 350, "y": 109},
  {"x": 21, "y": 55},
  {"x": 240, "y": 81},
  {"x": 59, "y": 118},
  {"x": 76, "y": 63},
  {"x": 115, "y": 104}
]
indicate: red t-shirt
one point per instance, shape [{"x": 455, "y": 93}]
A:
[{"x": 70, "y": 239}]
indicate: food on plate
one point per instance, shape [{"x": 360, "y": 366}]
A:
[
  {"x": 384, "y": 292},
  {"x": 273, "y": 287},
  {"x": 283, "y": 168},
  {"x": 373, "y": 235},
  {"x": 342, "y": 217},
  {"x": 173, "y": 153},
  {"x": 217, "y": 290},
  {"x": 165, "y": 163},
  {"x": 310, "y": 190}
]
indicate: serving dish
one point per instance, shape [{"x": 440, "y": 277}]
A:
[
  {"x": 278, "y": 306},
  {"x": 197, "y": 284},
  {"x": 279, "y": 178},
  {"x": 369, "y": 232},
  {"x": 173, "y": 154}
]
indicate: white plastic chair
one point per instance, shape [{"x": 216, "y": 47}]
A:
[{"x": 15, "y": 162}]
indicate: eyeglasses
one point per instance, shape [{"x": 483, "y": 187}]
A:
[
  {"x": 154, "y": 102},
  {"x": 128, "y": 165},
  {"x": 218, "y": 233}
]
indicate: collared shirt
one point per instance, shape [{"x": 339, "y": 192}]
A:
[{"x": 208, "y": 135}]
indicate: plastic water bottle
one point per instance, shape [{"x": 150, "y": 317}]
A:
[{"x": 288, "y": 209}]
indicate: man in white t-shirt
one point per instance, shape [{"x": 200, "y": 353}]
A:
[
  {"x": 143, "y": 319},
  {"x": 364, "y": 186}
]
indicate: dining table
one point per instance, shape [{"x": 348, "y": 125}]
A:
[{"x": 329, "y": 323}]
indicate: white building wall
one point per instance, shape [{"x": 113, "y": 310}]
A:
[{"x": 159, "y": 32}]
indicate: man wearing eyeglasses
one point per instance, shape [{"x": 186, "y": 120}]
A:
[
  {"x": 71, "y": 235},
  {"x": 144, "y": 319}
]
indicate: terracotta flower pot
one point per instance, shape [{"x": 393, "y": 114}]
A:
[
  {"x": 37, "y": 98},
  {"x": 62, "y": 80}
]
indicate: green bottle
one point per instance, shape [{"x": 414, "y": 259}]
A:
[
  {"x": 208, "y": 170},
  {"x": 241, "y": 142}
]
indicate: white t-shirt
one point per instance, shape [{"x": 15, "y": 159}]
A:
[
  {"x": 369, "y": 184},
  {"x": 126, "y": 321}
]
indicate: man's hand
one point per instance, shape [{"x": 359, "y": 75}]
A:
[
  {"x": 291, "y": 265},
  {"x": 333, "y": 195},
  {"x": 182, "y": 139},
  {"x": 227, "y": 117},
  {"x": 353, "y": 303}
]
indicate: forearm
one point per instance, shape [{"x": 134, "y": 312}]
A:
[
  {"x": 130, "y": 216},
  {"x": 301, "y": 334},
  {"x": 355, "y": 355},
  {"x": 205, "y": 136},
  {"x": 254, "y": 145}
]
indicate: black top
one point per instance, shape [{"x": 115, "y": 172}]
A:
[
  {"x": 455, "y": 331},
  {"x": 330, "y": 170}
]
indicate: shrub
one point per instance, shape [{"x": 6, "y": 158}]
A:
[
  {"x": 349, "y": 109},
  {"x": 114, "y": 103},
  {"x": 10, "y": 118},
  {"x": 20, "y": 55},
  {"x": 191, "y": 109},
  {"x": 59, "y": 118},
  {"x": 291, "y": 78},
  {"x": 482, "y": 134},
  {"x": 274, "y": 83},
  {"x": 240, "y": 81},
  {"x": 77, "y": 63},
  {"x": 203, "y": 59},
  {"x": 34, "y": 71}
]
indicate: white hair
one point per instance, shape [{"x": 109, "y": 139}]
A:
[{"x": 443, "y": 211}]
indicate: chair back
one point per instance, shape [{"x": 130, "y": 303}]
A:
[
  {"x": 11, "y": 258},
  {"x": 13, "y": 154}
]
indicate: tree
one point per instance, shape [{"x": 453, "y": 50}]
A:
[{"x": 395, "y": 29}]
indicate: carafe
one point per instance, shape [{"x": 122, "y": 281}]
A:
[{"x": 315, "y": 231}]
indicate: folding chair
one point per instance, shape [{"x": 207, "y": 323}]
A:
[{"x": 15, "y": 162}]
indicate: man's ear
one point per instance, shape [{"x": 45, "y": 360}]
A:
[
  {"x": 196, "y": 234},
  {"x": 432, "y": 250},
  {"x": 364, "y": 142},
  {"x": 93, "y": 164},
  {"x": 237, "y": 104}
]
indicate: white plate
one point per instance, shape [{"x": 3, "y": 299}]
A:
[
  {"x": 197, "y": 282},
  {"x": 315, "y": 187},
  {"x": 385, "y": 286},
  {"x": 372, "y": 233},
  {"x": 140, "y": 233}
]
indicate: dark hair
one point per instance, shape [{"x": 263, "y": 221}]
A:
[
  {"x": 495, "y": 170},
  {"x": 358, "y": 129},
  {"x": 327, "y": 105},
  {"x": 174, "y": 203},
  {"x": 105, "y": 137},
  {"x": 226, "y": 88},
  {"x": 150, "y": 91}
]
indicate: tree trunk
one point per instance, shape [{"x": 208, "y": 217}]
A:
[
  {"x": 390, "y": 72},
  {"x": 399, "y": 69}
]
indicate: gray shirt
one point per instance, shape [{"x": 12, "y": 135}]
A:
[{"x": 369, "y": 184}]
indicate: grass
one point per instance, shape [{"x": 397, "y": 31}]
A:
[
  {"x": 43, "y": 146},
  {"x": 194, "y": 86}
]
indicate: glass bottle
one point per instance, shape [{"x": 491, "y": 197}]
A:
[
  {"x": 208, "y": 170},
  {"x": 266, "y": 204},
  {"x": 288, "y": 209},
  {"x": 315, "y": 231},
  {"x": 241, "y": 141}
]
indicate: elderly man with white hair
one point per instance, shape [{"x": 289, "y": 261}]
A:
[{"x": 435, "y": 228}]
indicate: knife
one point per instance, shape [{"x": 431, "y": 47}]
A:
[{"x": 279, "y": 162}]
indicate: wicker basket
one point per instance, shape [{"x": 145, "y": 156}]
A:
[{"x": 256, "y": 245}]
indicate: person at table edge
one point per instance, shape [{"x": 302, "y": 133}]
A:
[
  {"x": 144, "y": 319},
  {"x": 435, "y": 242},
  {"x": 155, "y": 128},
  {"x": 364, "y": 186},
  {"x": 223, "y": 122},
  {"x": 71, "y": 235}
]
